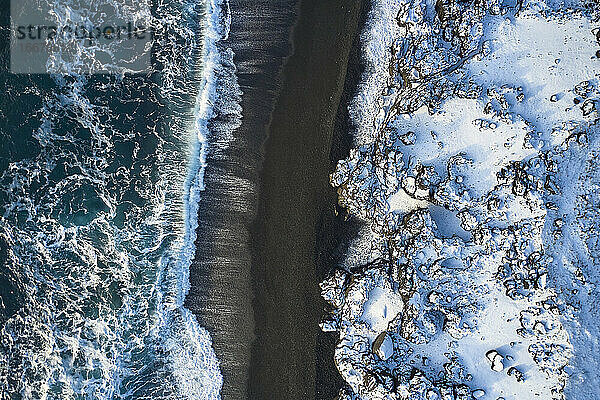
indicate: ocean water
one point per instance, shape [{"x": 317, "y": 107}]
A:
[{"x": 100, "y": 177}]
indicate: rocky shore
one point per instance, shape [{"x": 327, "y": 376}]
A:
[{"x": 464, "y": 283}]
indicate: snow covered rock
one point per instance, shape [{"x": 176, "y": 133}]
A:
[{"x": 475, "y": 177}]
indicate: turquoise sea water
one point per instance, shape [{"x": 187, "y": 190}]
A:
[{"x": 99, "y": 181}]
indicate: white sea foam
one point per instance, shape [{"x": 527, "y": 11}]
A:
[
  {"x": 103, "y": 253},
  {"x": 376, "y": 39},
  {"x": 190, "y": 348}
]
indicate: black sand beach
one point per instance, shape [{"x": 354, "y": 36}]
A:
[
  {"x": 220, "y": 277},
  {"x": 335, "y": 231},
  {"x": 294, "y": 195},
  {"x": 266, "y": 238}
]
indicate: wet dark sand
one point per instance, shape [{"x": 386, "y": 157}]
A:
[
  {"x": 220, "y": 277},
  {"x": 335, "y": 232},
  {"x": 293, "y": 237},
  {"x": 271, "y": 348}
]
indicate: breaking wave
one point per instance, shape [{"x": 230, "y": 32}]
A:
[{"x": 99, "y": 186}]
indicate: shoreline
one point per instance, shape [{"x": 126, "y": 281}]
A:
[
  {"x": 335, "y": 231},
  {"x": 220, "y": 281},
  {"x": 294, "y": 91},
  {"x": 295, "y": 208}
]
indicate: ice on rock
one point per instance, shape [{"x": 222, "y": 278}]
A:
[
  {"x": 476, "y": 177},
  {"x": 495, "y": 360},
  {"x": 382, "y": 306},
  {"x": 403, "y": 202},
  {"x": 383, "y": 346},
  {"x": 478, "y": 394}
]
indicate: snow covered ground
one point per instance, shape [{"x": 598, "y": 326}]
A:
[{"x": 475, "y": 174}]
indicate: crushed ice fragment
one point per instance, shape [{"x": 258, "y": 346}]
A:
[
  {"x": 409, "y": 138},
  {"x": 496, "y": 360},
  {"x": 432, "y": 395},
  {"x": 512, "y": 371},
  {"x": 383, "y": 346}
]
